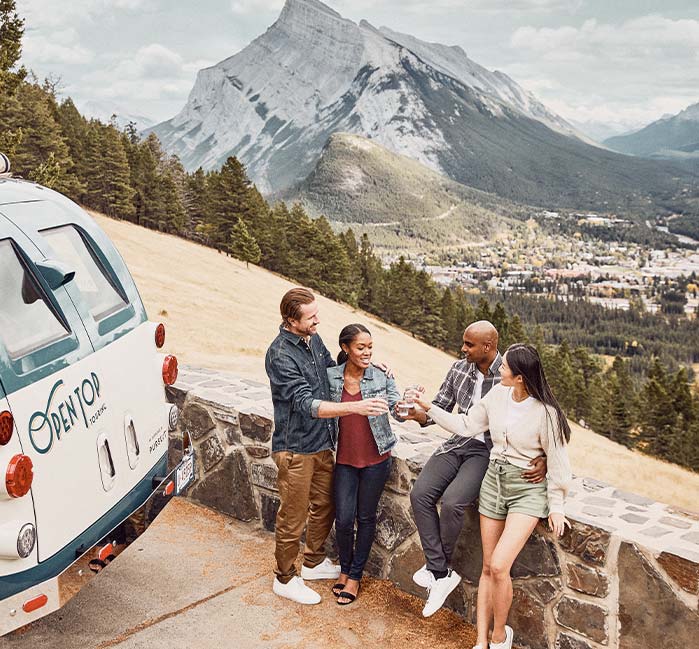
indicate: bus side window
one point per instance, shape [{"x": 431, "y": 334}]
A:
[
  {"x": 101, "y": 293},
  {"x": 27, "y": 322}
]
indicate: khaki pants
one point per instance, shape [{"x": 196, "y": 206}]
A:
[{"x": 305, "y": 484}]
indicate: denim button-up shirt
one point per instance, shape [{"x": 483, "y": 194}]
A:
[
  {"x": 299, "y": 382},
  {"x": 374, "y": 383}
]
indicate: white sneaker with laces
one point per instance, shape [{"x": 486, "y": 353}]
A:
[
  {"x": 296, "y": 591},
  {"x": 507, "y": 642},
  {"x": 478, "y": 646},
  {"x": 325, "y": 570},
  {"x": 423, "y": 577},
  {"x": 439, "y": 590}
]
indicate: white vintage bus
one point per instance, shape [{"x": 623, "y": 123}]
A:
[{"x": 84, "y": 421}]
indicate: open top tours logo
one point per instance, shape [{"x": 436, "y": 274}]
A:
[{"x": 77, "y": 407}]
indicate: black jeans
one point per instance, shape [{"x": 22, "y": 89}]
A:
[
  {"x": 454, "y": 477},
  {"x": 357, "y": 493}
]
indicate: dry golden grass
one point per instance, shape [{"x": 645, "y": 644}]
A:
[{"x": 223, "y": 315}]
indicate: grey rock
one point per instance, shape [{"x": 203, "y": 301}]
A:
[
  {"x": 264, "y": 475},
  {"x": 269, "y": 505},
  {"x": 196, "y": 420},
  {"x": 538, "y": 558},
  {"x": 587, "y": 580},
  {"x": 582, "y": 617},
  {"x": 675, "y": 522},
  {"x": 176, "y": 394},
  {"x": 211, "y": 452},
  {"x": 255, "y": 427},
  {"x": 527, "y": 616},
  {"x": 655, "y": 532},
  {"x": 634, "y": 518},
  {"x": 634, "y": 499},
  {"x": 650, "y": 614},
  {"x": 227, "y": 489},
  {"x": 565, "y": 641},
  {"x": 258, "y": 452},
  {"x": 597, "y": 512},
  {"x": 590, "y": 484},
  {"x": 587, "y": 542},
  {"x": 692, "y": 537},
  {"x": 399, "y": 479},
  {"x": 232, "y": 435},
  {"x": 393, "y": 523},
  {"x": 416, "y": 463},
  {"x": 402, "y": 566},
  {"x": 601, "y": 502}
]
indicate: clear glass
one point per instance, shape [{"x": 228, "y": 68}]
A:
[
  {"x": 90, "y": 278},
  {"x": 26, "y": 321}
]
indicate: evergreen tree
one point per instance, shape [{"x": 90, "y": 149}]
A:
[
  {"x": 11, "y": 33},
  {"x": 243, "y": 244}
]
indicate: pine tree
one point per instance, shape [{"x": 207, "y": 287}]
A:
[
  {"x": 11, "y": 33},
  {"x": 243, "y": 244}
]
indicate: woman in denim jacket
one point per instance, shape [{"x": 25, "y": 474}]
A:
[{"x": 363, "y": 457}]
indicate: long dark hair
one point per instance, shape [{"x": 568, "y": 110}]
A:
[
  {"x": 347, "y": 335},
  {"x": 525, "y": 361}
]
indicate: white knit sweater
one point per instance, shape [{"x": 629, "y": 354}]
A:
[{"x": 532, "y": 437}]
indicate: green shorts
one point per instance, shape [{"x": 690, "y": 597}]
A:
[{"x": 504, "y": 490}]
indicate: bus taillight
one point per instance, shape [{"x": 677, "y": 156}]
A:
[
  {"x": 169, "y": 370},
  {"x": 160, "y": 335},
  {"x": 7, "y": 424},
  {"x": 19, "y": 476}
]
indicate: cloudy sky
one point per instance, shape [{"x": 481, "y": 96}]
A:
[{"x": 623, "y": 62}]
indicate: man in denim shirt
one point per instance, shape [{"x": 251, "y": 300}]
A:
[
  {"x": 303, "y": 443},
  {"x": 455, "y": 471}
]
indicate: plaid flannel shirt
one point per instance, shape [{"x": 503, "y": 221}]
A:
[{"x": 457, "y": 390}]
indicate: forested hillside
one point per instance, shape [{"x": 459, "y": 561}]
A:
[{"x": 123, "y": 176}]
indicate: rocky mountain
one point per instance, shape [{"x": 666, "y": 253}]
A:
[
  {"x": 399, "y": 201},
  {"x": 313, "y": 73},
  {"x": 674, "y": 136},
  {"x": 105, "y": 111}
]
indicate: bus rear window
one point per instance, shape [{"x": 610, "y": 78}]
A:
[
  {"x": 90, "y": 278},
  {"x": 26, "y": 321}
]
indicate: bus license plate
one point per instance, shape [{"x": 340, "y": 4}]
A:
[{"x": 185, "y": 473}]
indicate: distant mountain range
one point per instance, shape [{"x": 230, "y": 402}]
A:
[
  {"x": 105, "y": 111},
  {"x": 674, "y": 136},
  {"x": 313, "y": 73}
]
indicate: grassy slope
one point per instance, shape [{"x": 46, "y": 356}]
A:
[{"x": 222, "y": 315}]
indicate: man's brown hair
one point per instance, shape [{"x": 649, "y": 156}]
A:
[{"x": 291, "y": 303}]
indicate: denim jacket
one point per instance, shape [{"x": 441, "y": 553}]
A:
[
  {"x": 374, "y": 383},
  {"x": 299, "y": 382}
]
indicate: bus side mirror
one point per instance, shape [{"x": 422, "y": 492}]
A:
[{"x": 55, "y": 273}]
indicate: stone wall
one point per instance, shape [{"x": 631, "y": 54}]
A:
[{"x": 626, "y": 576}]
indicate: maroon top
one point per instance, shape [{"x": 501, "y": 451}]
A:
[{"x": 356, "y": 445}]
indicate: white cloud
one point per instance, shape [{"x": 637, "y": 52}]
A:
[
  {"x": 244, "y": 7},
  {"x": 633, "y": 71}
]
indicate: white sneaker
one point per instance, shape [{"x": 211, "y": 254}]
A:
[
  {"x": 325, "y": 570},
  {"x": 439, "y": 590},
  {"x": 423, "y": 577},
  {"x": 296, "y": 591},
  {"x": 507, "y": 642}
]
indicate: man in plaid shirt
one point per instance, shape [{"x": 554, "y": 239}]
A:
[{"x": 455, "y": 470}]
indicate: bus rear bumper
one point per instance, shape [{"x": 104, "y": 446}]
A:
[{"x": 48, "y": 595}]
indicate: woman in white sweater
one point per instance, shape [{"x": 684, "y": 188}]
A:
[{"x": 525, "y": 421}]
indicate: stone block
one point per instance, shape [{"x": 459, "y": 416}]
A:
[
  {"x": 255, "y": 426},
  {"x": 232, "y": 435},
  {"x": 538, "y": 558},
  {"x": 399, "y": 479},
  {"x": 258, "y": 452},
  {"x": 675, "y": 522},
  {"x": 683, "y": 572},
  {"x": 655, "y": 531},
  {"x": 587, "y": 542},
  {"x": 468, "y": 554},
  {"x": 633, "y": 499},
  {"x": 376, "y": 563},
  {"x": 225, "y": 415},
  {"x": 634, "y": 518},
  {"x": 176, "y": 394},
  {"x": 650, "y": 613},
  {"x": 527, "y": 617},
  {"x": 582, "y": 617},
  {"x": 196, "y": 420},
  {"x": 269, "y": 505},
  {"x": 587, "y": 580},
  {"x": 565, "y": 641},
  {"x": 416, "y": 462},
  {"x": 403, "y": 565},
  {"x": 228, "y": 489},
  {"x": 393, "y": 523},
  {"x": 211, "y": 452},
  {"x": 264, "y": 475}
]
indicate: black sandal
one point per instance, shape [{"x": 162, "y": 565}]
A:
[
  {"x": 340, "y": 588},
  {"x": 346, "y": 595}
]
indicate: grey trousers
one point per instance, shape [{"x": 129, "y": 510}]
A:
[{"x": 455, "y": 477}]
